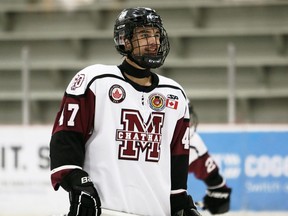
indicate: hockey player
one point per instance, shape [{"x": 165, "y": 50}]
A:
[
  {"x": 203, "y": 166},
  {"x": 121, "y": 138}
]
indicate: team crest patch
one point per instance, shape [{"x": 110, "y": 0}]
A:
[
  {"x": 117, "y": 94},
  {"x": 157, "y": 102}
]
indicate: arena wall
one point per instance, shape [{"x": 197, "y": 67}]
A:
[{"x": 253, "y": 159}]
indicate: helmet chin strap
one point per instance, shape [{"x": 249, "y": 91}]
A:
[{"x": 146, "y": 61}]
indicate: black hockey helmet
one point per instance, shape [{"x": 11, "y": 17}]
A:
[{"x": 124, "y": 27}]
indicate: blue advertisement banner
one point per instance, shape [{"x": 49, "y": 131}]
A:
[{"x": 255, "y": 165}]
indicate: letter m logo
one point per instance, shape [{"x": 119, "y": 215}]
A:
[{"x": 138, "y": 137}]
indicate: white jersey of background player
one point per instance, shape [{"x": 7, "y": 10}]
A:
[
  {"x": 203, "y": 166},
  {"x": 121, "y": 137}
]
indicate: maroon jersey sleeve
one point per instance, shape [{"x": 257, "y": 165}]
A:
[
  {"x": 72, "y": 128},
  {"x": 180, "y": 155},
  {"x": 206, "y": 169}
]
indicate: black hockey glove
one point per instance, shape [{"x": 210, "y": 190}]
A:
[
  {"x": 183, "y": 205},
  {"x": 84, "y": 199},
  {"x": 217, "y": 201}
]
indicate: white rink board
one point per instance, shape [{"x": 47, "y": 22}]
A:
[{"x": 25, "y": 187}]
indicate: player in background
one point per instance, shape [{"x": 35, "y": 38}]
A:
[
  {"x": 203, "y": 166},
  {"x": 121, "y": 138}
]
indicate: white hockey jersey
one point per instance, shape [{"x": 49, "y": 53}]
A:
[
  {"x": 132, "y": 140},
  {"x": 197, "y": 146}
]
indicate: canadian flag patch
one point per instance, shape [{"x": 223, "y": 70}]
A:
[{"x": 171, "y": 103}]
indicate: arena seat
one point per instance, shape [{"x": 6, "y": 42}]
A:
[{"x": 63, "y": 40}]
